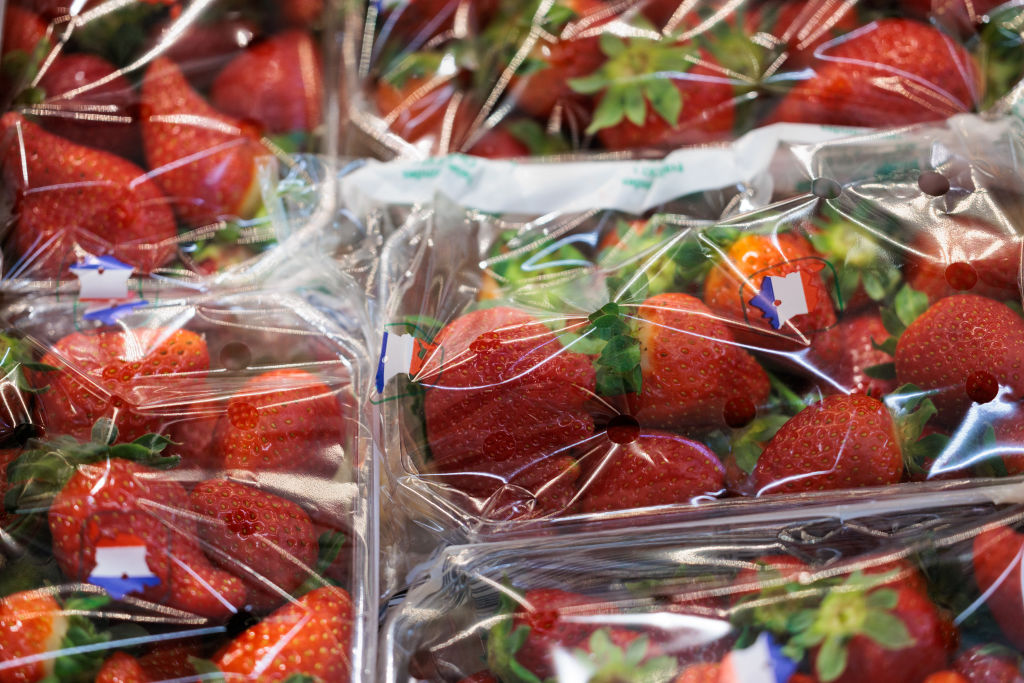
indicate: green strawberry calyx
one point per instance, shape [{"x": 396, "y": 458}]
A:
[
  {"x": 907, "y": 306},
  {"x": 606, "y": 662},
  {"x": 81, "y": 659},
  {"x": 696, "y": 255},
  {"x": 46, "y": 465},
  {"x": 855, "y": 607},
  {"x": 618, "y": 365},
  {"x": 638, "y": 73},
  {"x": 911, "y": 409},
  {"x": 503, "y": 642},
  {"x": 15, "y": 358}
]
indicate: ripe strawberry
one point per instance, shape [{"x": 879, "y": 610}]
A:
[
  {"x": 72, "y": 201},
  {"x": 23, "y": 30},
  {"x": 963, "y": 16},
  {"x": 263, "y": 539},
  {"x": 573, "y": 50},
  {"x": 960, "y": 254},
  {"x": 804, "y": 27},
  {"x": 545, "y": 620},
  {"x": 100, "y": 374},
  {"x": 163, "y": 663},
  {"x": 282, "y": 418},
  {"x": 498, "y": 143},
  {"x": 311, "y": 636},
  {"x": 504, "y": 400},
  {"x": 844, "y": 441},
  {"x": 301, "y": 13},
  {"x": 858, "y": 338},
  {"x": 426, "y": 110},
  {"x": 958, "y": 347},
  {"x": 205, "y": 161},
  {"x": 654, "y": 468},
  {"x": 690, "y": 366},
  {"x": 203, "y": 48},
  {"x": 90, "y": 103},
  {"x": 891, "y": 72},
  {"x": 117, "y": 501},
  {"x": 277, "y": 82},
  {"x": 946, "y": 677},
  {"x": 121, "y": 667},
  {"x": 638, "y": 107},
  {"x": 33, "y": 623},
  {"x": 996, "y": 557},
  {"x": 617, "y": 654},
  {"x": 707, "y": 672},
  {"x": 989, "y": 664},
  {"x": 416, "y": 22},
  {"x": 735, "y": 281},
  {"x": 480, "y": 677}
]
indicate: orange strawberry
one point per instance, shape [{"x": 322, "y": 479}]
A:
[{"x": 205, "y": 161}]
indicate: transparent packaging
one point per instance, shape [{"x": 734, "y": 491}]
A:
[
  {"x": 187, "y": 488},
  {"x": 159, "y": 136},
  {"x": 588, "y": 368},
  {"x": 894, "y": 589},
  {"x": 505, "y": 79}
]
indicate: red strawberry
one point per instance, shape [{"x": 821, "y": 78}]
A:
[
  {"x": 1009, "y": 433},
  {"x": 691, "y": 367},
  {"x": 653, "y": 468},
  {"x": 989, "y": 664},
  {"x": 617, "y": 654},
  {"x": 803, "y": 27},
  {"x": 963, "y": 348},
  {"x": 121, "y": 503},
  {"x": 277, "y": 82},
  {"x": 281, "y": 420},
  {"x": 100, "y": 374},
  {"x": 33, "y": 623},
  {"x": 891, "y": 72},
  {"x": 996, "y": 555},
  {"x": 204, "y": 160},
  {"x": 843, "y": 441},
  {"x": 504, "y": 401},
  {"x": 961, "y": 254},
  {"x": 545, "y": 620},
  {"x": 416, "y": 22},
  {"x": 961, "y": 15},
  {"x": 203, "y": 48},
  {"x": 301, "y": 13},
  {"x": 736, "y": 279},
  {"x": 480, "y": 677},
  {"x": 73, "y": 201},
  {"x": 121, "y": 667},
  {"x": 498, "y": 143},
  {"x": 857, "y": 338},
  {"x": 312, "y": 636},
  {"x": 946, "y": 677},
  {"x": 90, "y": 103},
  {"x": 573, "y": 51},
  {"x": 708, "y": 672},
  {"x": 263, "y": 539},
  {"x": 426, "y": 110},
  {"x": 637, "y": 109},
  {"x": 193, "y": 431},
  {"x": 22, "y": 30}
]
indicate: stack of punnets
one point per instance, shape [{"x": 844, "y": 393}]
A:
[{"x": 448, "y": 341}]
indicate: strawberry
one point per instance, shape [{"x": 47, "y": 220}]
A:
[
  {"x": 277, "y": 82},
  {"x": 844, "y": 441},
  {"x": 546, "y": 620},
  {"x": 891, "y": 72},
  {"x": 573, "y": 50},
  {"x": 480, "y": 677},
  {"x": 118, "y": 503},
  {"x": 72, "y": 201},
  {"x": 311, "y": 636},
  {"x": 121, "y": 667},
  {"x": 429, "y": 110},
  {"x": 498, "y": 143},
  {"x": 33, "y": 624},
  {"x": 804, "y": 27},
  {"x": 205, "y": 161},
  {"x": 707, "y": 672},
  {"x": 204, "y": 47},
  {"x": 946, "y": 677},
  {"x": 996, "y": 557},
  {"x": 734, "y": 286},
  {"x": 301, "y": 13},
  {"x": 963, "y": 348},
  {"x": 263, "y": 539},
  {"x": 690, "y": 368},
  {"x": 279, "y": 416},
  {"x": 416, "y": 22},
  {"x": 638, "y": 106},
  {"x": 90, "y": 103},
  {"x": 860, "y": 337},
  {"x": 620, "y": 655},
  {"x": 650, "y": 468},
  {"x": 961, "y": 254},
  {"x": 989, "y": 664},
  {"x": 99, "y": 375},
  {"x": 23, "y": 30},
  {"x": 504, "y": 401}
]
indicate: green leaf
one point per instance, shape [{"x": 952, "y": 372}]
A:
[
  {"x": 888, "y": 346},
  {"x": 883, "y": 598},
  {"x": 635, "y": 106},
  {"x": 831, "y": 660},
  {"x": 808, "y": 638},
  {"x": 610, "y": 112},
  {"x": 665, "y": 99},
  {"x": 104, "y": 431},
  {"x": 206, "y": 668},
  {"x": 302, "y": 678},
  {"x": 801, "y": 621},
  {"x": 588, "y": 85},
  {"x": 887, "y": 630},
  {"x": 881, "y": 371},
  {"x": 892, "y": 323},
  {"x": 909, "y": 304},
  {"x": 612, "y": 45}
]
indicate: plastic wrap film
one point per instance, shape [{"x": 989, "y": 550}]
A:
[
  {"x": 625, "y": 77},
  {"x": 870, "y": 591},
  {"x": 188, "y": 488},
  {"x": 160, "y": 135},
  {"x": 556, "y": 372}
]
